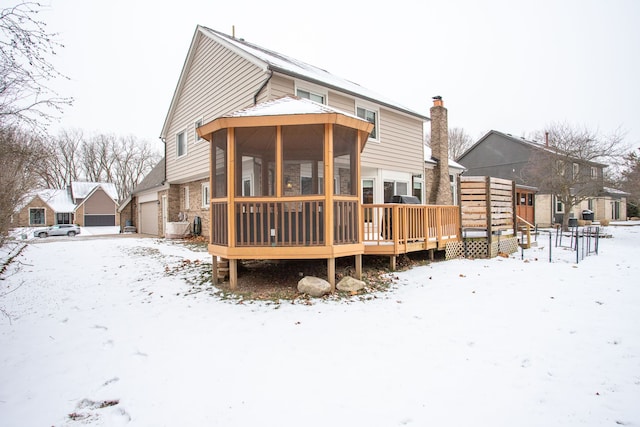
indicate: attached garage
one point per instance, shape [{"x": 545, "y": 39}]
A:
[
  {"x": 98, "y": 209},
  {"x": 99, "y": 220},
  {"x": 149, "y": 218}
]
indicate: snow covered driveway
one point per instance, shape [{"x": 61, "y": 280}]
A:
[{"x": 105, "y": 332}]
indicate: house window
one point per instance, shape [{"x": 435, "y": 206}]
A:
[
  {"x": 367, "y": 191},
  {"x": 63, "y": 218},
  {"x": 205, "y": 195},
  {"x": 417, "y": 190},
  {"x": 559, "y": 206},
  {"x": 196, "y": 125},
  {"x": 181, "y": 144},
  {"x": 576, "y": 170},
  {"x": 315, "y": 97},
  {"x": 185, "y": 197},
  {"x": 395, "y": 188},
  {"x": 370, "y": 116},
  {"x": 36, "y": 216},
  {"x": 590, "y": 204},
  {"x": 594, "y": 172}
]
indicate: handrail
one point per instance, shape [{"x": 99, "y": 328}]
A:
[{"x": 520, "y": 219}]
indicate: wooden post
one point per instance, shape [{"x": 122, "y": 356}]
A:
[
  {"x": 359, "y": 266},
  {"x": 392, "y": 262},
  {"x": 214, "y": 269},
  {"x": 233, "y": 274},
  {"x": 331, "y": 273},
  {"x": 487, "y": 201}
]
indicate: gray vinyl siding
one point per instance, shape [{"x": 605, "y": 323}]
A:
[
  {"x": 280, "y": 85},
  {"x": 342, "y": 102},
  {"x": 216, "y": 82},
  {"x": 399, "y": 146}
]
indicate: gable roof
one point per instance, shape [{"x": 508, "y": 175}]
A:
[
  {"x": 270, "y": 61},
  {"x": 57, "y": 200},
  {"x": 525, "y": 142},
  {"x": 80, "y": 190},
  {"x": 155, "y": 178}
]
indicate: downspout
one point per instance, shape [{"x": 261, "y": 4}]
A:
[{"x": 264, "y": 84}]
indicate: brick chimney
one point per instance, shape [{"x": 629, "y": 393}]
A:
[{"x": 440, "y": 192}]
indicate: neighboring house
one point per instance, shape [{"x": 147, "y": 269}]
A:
[
  {"x": 502, "y": 155},
  {"x": 84, "y": 203},
  {"x": 223, "y": 74},
  {"x": 96, "y": 204},
  {"x": 44, "y": 208},
  {"x": 143, "y": 207}
]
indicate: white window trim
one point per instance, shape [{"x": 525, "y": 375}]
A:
[
  {"x": 205, "y": 197},
  {"x": 373, "y": 109},
  {"x": 196, "y": 138},
  {"x": 185, "y": 192},
  {"x": 182, "y": 132},
  {"x": 311, "y": 88}
]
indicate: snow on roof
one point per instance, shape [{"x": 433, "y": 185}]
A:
[
  {"x": 615, "y": 191},
  {"x": 429, "y": 159},
  {"x": 80, "y": 190},
  {"x": 287, "y": 105},
  {"x": 58, "y": 200},
  {"x": 294, "y": 67}
]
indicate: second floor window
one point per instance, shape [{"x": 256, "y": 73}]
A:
[
  {"x": 196, "y": 125},
  {"x": 181, "y": 144},
  {"x": 315, "y": 97},
  {"x": 576, "y": 170},
  {"x": 594, "y": 172},
  {"x": 370, "y": 116}
]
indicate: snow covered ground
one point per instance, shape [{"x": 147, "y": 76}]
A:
[{"x": 106, "y": 331}]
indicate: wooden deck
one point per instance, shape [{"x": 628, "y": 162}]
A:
[{"x": 394, "y": 229}]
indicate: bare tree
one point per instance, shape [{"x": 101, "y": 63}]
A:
[
  {"x": 134, "y": 160},
  {"x": 25, "y": 70},
  {"x": 459, "y": 142},
  {"x": 563, "y": 166},
  {"x": 62, "y": 165},
  {"x": 20, "y": 154},
  {"x": 630, "y": 182},
  {"x": 121, "y": 160}
]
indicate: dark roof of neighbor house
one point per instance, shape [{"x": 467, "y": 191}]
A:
[
  {"x": 521, "y": 140},
  {"x": 155, "y": 178}
]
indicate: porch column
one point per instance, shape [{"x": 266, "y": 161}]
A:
[
  {"x": 359, "y": 267},
  {"x": 233, "y": 274},
  {"x": 214, "y": 269}
]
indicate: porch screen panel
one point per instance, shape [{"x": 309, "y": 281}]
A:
[
  {"x": 255, "y": 154},
  {"x": 219, "y": 164},
  {"x": 303, "y": 160},
  {"x": 344, "y": 160}
]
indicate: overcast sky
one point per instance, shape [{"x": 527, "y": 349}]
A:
[{"x": 513, "y": 66}]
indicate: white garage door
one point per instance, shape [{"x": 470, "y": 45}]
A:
[{"x": 149, "y": 218}]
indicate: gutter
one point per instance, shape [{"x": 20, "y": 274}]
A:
[{"x": 260, "y": 89}]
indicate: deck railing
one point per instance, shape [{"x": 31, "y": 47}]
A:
[
  {"x": 396, "y": 227},
  {"x": 428, "y": 226}
]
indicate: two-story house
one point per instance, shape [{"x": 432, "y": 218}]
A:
[
  {"x": 223, "y": 74},
  {"x": 505, "y": 156}
]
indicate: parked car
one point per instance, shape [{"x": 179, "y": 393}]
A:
[{"x": 58, "y": 230}]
